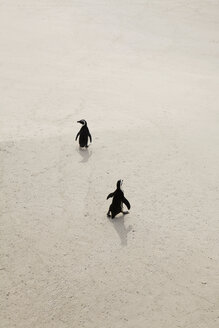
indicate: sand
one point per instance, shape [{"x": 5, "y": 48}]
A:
[{"x": 144, "y": 74}]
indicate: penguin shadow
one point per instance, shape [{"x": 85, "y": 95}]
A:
[
  {"x": 85, "y": 154},
  {"x": 119, "y": 224}
]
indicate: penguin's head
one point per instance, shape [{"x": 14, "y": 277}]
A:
[
  {"x": 83, "y": 122},
  {"x": 119, "y": 184}
]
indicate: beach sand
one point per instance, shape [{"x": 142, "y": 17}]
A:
[{"x": 145, "y": 76}]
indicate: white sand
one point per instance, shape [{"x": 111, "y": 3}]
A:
[{"x": 145, "y": 75}]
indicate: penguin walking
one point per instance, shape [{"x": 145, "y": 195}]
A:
[
  {"x": 118, "y": 199},
  {"x": 83, "y": 134}
]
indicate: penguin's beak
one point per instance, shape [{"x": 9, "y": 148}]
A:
[{"x": 80, "y": 122}]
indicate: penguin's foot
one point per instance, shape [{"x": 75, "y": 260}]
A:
[
  {"x": 108, "y": 214},
  {"x": 125, "y": 212}
]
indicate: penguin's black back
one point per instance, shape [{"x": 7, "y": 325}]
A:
[
  {"x": 118, "y": 197},
  {"x": 83, "y": 139},
  {"x": 116, "y": 206}
]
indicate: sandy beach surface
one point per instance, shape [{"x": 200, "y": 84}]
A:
[{"x": 145, "y": 76}]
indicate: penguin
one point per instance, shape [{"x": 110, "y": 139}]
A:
[
  {"x": 118, "y": 199},
  {"x": 84, "y": 133}
]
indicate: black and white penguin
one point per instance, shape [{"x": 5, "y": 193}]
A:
[
  {"x": 118, "y": 199},
  {"x": 83, "y": 134}
]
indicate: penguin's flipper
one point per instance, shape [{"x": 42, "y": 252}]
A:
[
  {"x": 126, "y": 202},
  {"x": 90, "y": 136},
  {"x": 110, "y": 195},
  {"x": 77, "y": 136}
]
